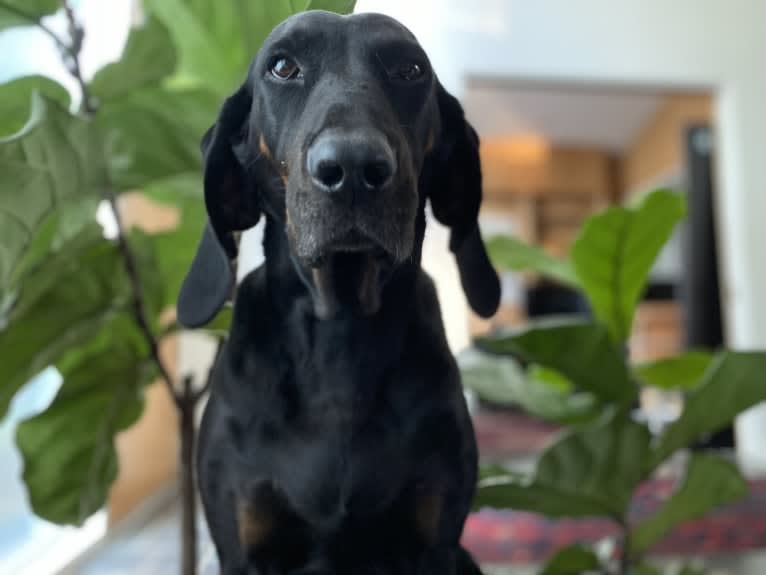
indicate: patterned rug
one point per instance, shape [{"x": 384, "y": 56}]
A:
[
  {"x": 513, "y": 537},
  {"x": 517, "y": 537}
]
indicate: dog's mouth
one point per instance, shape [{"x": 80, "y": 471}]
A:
[{"x": 349, "y": 274}]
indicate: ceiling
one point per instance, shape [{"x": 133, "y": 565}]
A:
[{"x": 564, "y": 115}]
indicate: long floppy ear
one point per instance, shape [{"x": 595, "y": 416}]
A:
[
  {"x": 454, "y": 188},
  {"x": 232, "y": 205}
]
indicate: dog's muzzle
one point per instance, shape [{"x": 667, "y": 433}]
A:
[{"x": 351, "y": 218}]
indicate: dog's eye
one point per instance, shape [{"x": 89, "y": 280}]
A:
[
  {"x": 285, "y": 69},
  {"x": 409, "y": 72}
]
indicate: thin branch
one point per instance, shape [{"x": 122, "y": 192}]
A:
[
  {"x": 77, "y": 35},
  {"x": 36, "y": 22},
  {"x": 139, "y": 306},
  {"x": 72, "y": 52}
]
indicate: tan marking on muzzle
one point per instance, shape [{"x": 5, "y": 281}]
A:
[
  {"x": 290, "y": 226},
  {"x": 326, "y": 303},
  {"x": 369, "y": 296},
  {"x": 263, "y": 147}
]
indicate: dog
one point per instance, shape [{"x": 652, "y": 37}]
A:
[{"x": 336, "y": 439}]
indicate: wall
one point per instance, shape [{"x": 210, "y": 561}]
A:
[
  {"x": 685, "y": 44},
  {"x": 658, "y": 150}
]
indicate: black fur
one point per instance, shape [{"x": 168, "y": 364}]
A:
[{"x": 337, "y": 439}]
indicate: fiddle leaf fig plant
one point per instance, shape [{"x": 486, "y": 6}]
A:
[
  {"x": 92, "y": 301},
  {"x": 599, "y": 460}
]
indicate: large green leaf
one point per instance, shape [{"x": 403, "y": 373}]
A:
[
  {"x": 502, "y": 381},
  {"x": 16, "y": 100},
  {"x": 591, "y": 471},
  {"x": 733, "y": 383},
  {"x": 710, "y": 481},
  {"x": 581, "y": 351},
  {"x": 340, "y": 6},
  {"x": 681, "y": 372},
  {"x": 149, "y": 56},
  {"x": 25, "y": 12},
  {"x": 154, "y": 133},
  {"x": 62, "y": 304},
  {"x": 573, "y": 560},
  {"x": 217, "y": 40},
  {"x": 175, "y": 249},
  {"x": 614, "y": 252},
  {"x": 511, "y": 253},
  {"x": 68, "y": 450},
  {"x": 55, "y": 160}
]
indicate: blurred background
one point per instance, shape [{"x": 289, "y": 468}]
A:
[{"x": 579, "y": 105}]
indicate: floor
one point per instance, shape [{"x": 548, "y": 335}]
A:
[
  {"x": 147, "y": 546},
  {"x": 149, "y": 543}
]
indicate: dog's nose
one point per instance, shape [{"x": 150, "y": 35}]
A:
[{"x": 342, "y": 163}]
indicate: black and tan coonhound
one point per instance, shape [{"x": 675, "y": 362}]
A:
[{"x": 336, "y": 440}]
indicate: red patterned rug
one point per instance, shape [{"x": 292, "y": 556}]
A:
[{"x": 517, "y": 537}]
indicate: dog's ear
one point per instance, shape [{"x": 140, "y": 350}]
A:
[
  {"x": 231, "y": 205},
  {"x": 454, "y": 188}
]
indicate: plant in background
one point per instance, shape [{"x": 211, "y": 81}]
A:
[
  {"x": 577, "y": 373},
  {"x": 94, "y": 306}
]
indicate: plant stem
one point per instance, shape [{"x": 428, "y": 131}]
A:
[
  {"x": 188, "y": 435},
  {"x": 72, "y": 54},
  {"x": 70, "y": 51},
  {"x": 624, "y": 557}
]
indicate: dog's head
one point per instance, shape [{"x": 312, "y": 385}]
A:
[{"x": 339, "y": 135}]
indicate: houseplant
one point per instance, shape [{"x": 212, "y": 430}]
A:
[
  {"x": 578, "y": 374},
  {"x": 95, "y": 307}
]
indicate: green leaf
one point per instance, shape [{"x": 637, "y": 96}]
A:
[
  {"x": 154, "y": 134},
  {"x": 55, "y": 161},
  {"x": 511, "y": 253},
  {"x": 644, "y": 569},
  {"x": 733, "y": 383},
  {"x": 175, "y": 248},
  {"x": 25, "y": 12},
  {"x": 501, "y": 380},
  {"x": 66, "y": 301},
  {"x": 582, "y": 352},
  {"x": 68, "y": 450},
  {"x": 682, "y": 372},
  {"x": 710, "y": 481},
  {"x": 339, "y": 6},
  {"x": 149, "y": 57},
  {"x": 220, "y": 325},
  {"x": 218, "y": 40},
  {"x": 614, "y": 252},
  {"x": 572, "y": 560},
  {"x": 591, "y": 471},
  {"x": 16, "y": 100}
]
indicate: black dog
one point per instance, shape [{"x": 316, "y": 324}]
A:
[{"x": 337, "y": 439}]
